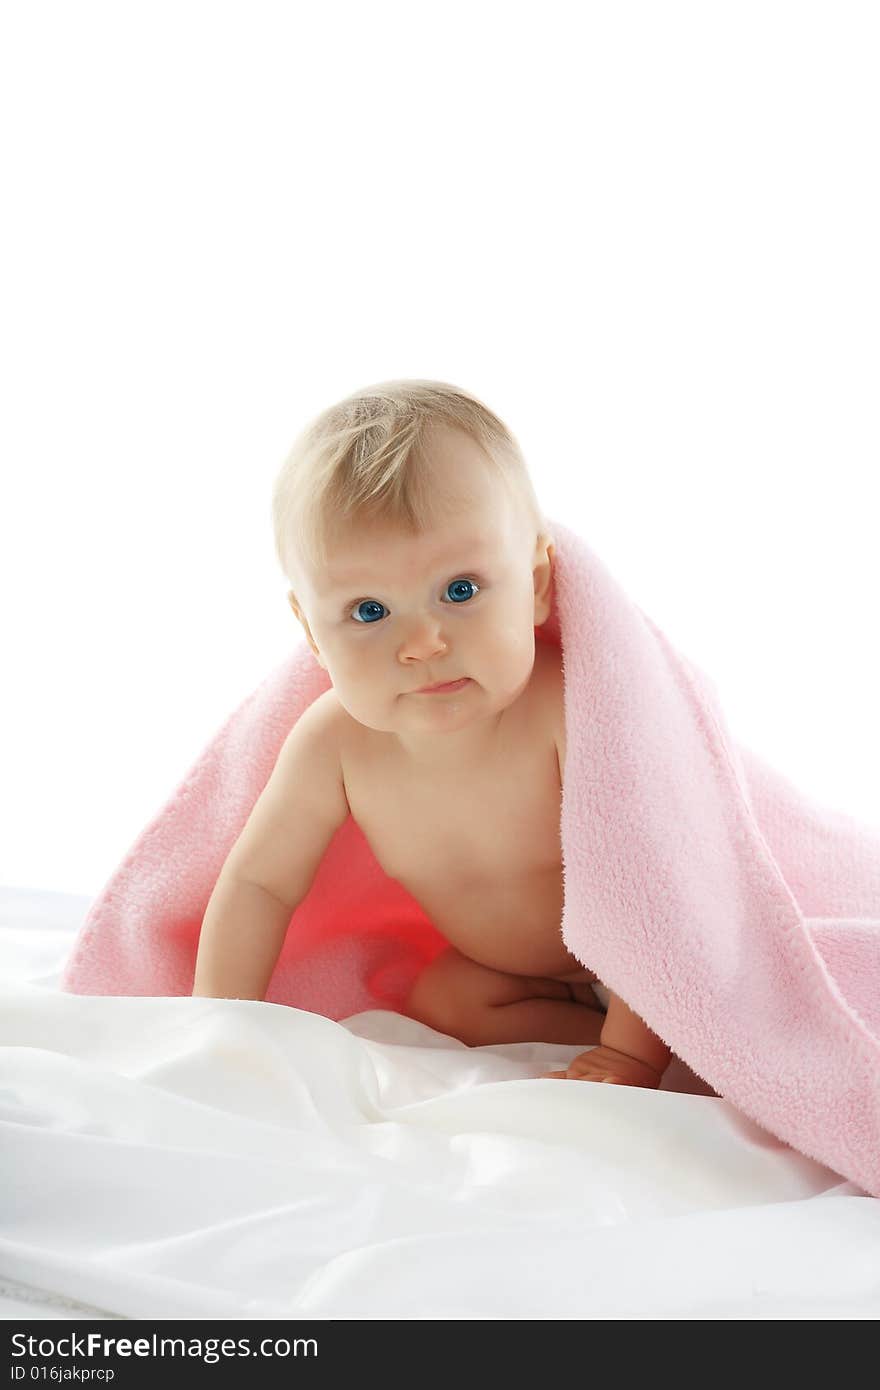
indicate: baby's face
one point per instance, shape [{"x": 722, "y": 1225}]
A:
[{"x": 392, "y": 612}]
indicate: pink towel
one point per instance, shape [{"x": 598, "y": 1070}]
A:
[{"x": 737, "y": 918}]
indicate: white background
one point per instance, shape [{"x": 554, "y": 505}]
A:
[{"x": 645, "y": 234}]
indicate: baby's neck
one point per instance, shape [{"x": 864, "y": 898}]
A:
[{"x": 453, "y": 752}]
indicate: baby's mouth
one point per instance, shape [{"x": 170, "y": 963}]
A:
[{"x": 443, "y": 687}]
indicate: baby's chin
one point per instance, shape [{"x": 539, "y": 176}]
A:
[
  {"x": 409, "y": 711},
  {"x": 474, "y": 703}
]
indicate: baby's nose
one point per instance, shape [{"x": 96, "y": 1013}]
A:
[{"x": 423, "y": 640}]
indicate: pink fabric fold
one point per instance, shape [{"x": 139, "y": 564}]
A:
[{"x": 738, "y": 918}]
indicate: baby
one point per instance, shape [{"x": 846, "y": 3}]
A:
[{"x": 421, "y": 565}]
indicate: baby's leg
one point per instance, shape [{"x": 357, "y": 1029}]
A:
[{"x": 479, "y": 1005}]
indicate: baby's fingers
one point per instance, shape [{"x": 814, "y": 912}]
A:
[
  {"x": 575, "y": 1075},
  {"x": 586, "y": 1074}
]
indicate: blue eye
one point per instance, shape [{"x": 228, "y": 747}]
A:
[
  {"x": 468, "y": 583},
  {"x": 369, "y": 610},
  {"x": 368, "y": 603}
]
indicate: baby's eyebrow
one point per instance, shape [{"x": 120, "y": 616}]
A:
[{"x": 471, "y": 561}]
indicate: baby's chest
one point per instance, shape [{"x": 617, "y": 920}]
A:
[{"x": 496, "y": 825}]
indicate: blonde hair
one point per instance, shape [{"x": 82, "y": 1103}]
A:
[{"x": 365, "y": 458}]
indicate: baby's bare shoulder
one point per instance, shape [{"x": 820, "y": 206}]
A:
[
  {"x": 548, "y": 694},
  {"x": 548, "y": 662},
  {"x": 356, "y": 745},
  {"x": 337, "y": 724},
  {"x": 330, "y": 727}
]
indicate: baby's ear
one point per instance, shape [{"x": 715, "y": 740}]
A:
[
  {"x": 545, "y": 552},
  {"x": 291, "y": 599}
]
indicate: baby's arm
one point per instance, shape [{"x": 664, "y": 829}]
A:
[
  {"x": 628, "y": 1054},
  {"x": 624, "y": 1032},
  {"x": 272, "y": 864}
]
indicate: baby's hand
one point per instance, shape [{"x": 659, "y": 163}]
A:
[{"x": 604, "y": 1064}]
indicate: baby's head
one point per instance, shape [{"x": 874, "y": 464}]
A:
[{"x": 408, "y": 527}]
